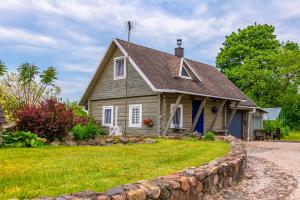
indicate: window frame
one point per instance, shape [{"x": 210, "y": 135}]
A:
[
  {"x": 172, "y": 125},
  {"x": 115, "y": 68},
  {"x": 130, "y": 107},
  {"x": 111, "y": 118},
  {"x": 180, "y": 73}
]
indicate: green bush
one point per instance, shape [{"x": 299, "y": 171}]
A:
[
  {"x": 89, "y": 131},
  {"x": 209, "y": 136},
  {"x": 284, "y": 131},
  {"x": 22, "y": 139}
]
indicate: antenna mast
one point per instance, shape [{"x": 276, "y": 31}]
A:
[{"x": 129, "y": 28}]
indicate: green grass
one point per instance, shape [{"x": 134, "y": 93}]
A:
[
  {"x": 293, "y": 136},
  {"x": 50, "y": 171}
]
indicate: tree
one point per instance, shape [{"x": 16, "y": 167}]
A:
[
  {"x": 263, "y": 68},
  {"x": 247, "y": 43},
  {"x": 18, "y": 89},
  {"x": 2, "y": 68}
]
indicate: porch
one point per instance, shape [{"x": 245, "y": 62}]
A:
[{"x": 186, "y": 114}]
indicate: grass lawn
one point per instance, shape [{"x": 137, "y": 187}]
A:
[
  {"x": 49, "y": 171},
  {"x": 293, "y": 136}
]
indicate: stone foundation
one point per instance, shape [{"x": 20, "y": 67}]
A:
[{"x": 192, "y": 183}]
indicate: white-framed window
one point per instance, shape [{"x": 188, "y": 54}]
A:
[
  {"x": 135, "y": 115},
  {"x": 177, "y": 121},
  {"x": 119, "y": 68},
  {"x": 184, "y": 73},
  {"x": 107, "y": 115}
]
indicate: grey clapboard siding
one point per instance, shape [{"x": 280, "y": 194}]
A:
[
  {"x": 149, "y": 107},
  {"x": 107, "y": 87}
]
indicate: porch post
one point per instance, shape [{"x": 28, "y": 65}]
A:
[
  {"x": 199, "y": 113},
  {"x": 217, "y": 115},
  {"x": 232, "y": 114},
  {"x": 173, "y": 113}
]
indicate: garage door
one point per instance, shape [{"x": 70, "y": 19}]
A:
[{"x": 236, "y": 125}]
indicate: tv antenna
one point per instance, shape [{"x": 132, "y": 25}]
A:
[{"x": 130, "y": 26}]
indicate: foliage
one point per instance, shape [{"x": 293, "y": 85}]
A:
[
  {"x": 22, "y": 139},
  {"x": 80, "y": 115},
  {"x": 264, "y": 69},
  {"x": 77, "y": 109},
  {"x": 18, "y": 89},
  {"x": 56, "y": 168},
  {"x": 2, "y": 68},
  {"x": 51, "y": 119},
  {"x": 209, "y": 136},
  {"x": 292, "y": 136},
  {"x": 247, "y": 43},
  {"x": 272, "y": 125},
  {"x": 88, "y": 131}
]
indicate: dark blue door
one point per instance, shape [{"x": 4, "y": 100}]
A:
[
  {"x": 236, "y": 125},
  {"x": 199, "y": 125}
]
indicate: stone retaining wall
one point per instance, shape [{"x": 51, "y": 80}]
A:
[{"x": 192, "y": 183}]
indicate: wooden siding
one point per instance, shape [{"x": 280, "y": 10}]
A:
[
  {"x": 186, "y": 101},
  {"x": 209, "y": 116},
  {"x": 107, "y": 87},
  {"x": 150, "y": 105}
]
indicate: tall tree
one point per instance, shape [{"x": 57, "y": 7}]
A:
[
  {"x": 247, "y": 43},
  {"x": 265, "y": 69}
]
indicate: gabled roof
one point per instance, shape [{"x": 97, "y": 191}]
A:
[{"x": 160, "y": 70}]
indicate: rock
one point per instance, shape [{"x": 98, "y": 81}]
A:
[
  {"x": 118, "y": 197},
  {"x": 138, "y": 194},
  {"x": 114, "y": 191},
  {"x": 192, "y": 181},
  {"x": 103, "y": 197},
  {"x": 216, "y": 179},
  {"x": 149, "y": 141},
  {"x": 153, "y": 191},
  {"x": 124, "y": 140},
  {"x": 184, "y": 183},
  {"x": 174, "y": 185},
  {"x": 199, "y": 187},
  {"x": 229, "y": 181}
]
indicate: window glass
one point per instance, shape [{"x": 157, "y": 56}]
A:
[
  {"x": 184, "y": 72},
  {"x": 119, "y": 68},
  {"x": 135, "y": 115},
  {"x": 107, "y": 116}
]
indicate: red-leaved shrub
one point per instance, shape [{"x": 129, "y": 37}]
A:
[
  {"x": 82, "y": 120},
  {"x": 51, "y": 119}
]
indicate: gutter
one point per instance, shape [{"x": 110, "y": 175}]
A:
[{"x": 249, "y": 122}]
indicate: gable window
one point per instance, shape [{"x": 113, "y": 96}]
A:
[
  {"x": 107, "y": 115},
  {"x": 184, "y": 73},
  {"x": 177, "y": 121},
  {"x": 135, "y": 115},
  {"x": 119, "y": 68}
]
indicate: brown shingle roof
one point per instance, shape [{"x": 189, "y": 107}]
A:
[{"x": 162, "y": 70}]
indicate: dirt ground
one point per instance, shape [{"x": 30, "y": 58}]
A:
[{"x": 273, "y": 172}]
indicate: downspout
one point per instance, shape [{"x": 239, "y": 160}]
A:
[{"x": 249, "y": 123}]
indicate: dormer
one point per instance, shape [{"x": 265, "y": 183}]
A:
[{"x": 187, "y": 72}]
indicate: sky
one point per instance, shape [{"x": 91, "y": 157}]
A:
[{"x": 72, "y": 35}]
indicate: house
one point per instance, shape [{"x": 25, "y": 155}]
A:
[{"x": 134, "y": 84}]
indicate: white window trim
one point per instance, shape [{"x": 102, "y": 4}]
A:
[
  {"x": 115, "y": 66},
  {"x": 112, "y": 115},
  {"x": 180, "y": 106},
  {"x": 140, "y": 107},
  {"x": 186, "y": 77}
]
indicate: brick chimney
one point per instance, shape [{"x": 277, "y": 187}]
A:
[{"x": 179, "y": 51}]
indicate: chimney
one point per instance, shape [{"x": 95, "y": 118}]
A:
[{"x": 179, "y": 50}]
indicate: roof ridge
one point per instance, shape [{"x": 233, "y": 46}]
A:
[{"x": 164, "y": 52}]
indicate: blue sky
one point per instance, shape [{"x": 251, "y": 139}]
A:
[{"x": 72, "y": 35}]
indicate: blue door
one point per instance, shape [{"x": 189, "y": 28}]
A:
[
  {"x": 195, "y": 107},
  {"x": 236, "y": 125}
]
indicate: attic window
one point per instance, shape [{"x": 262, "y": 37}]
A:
[
  {"x": 119, "y": 68},
  {"x": 184, "y": 73}
]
